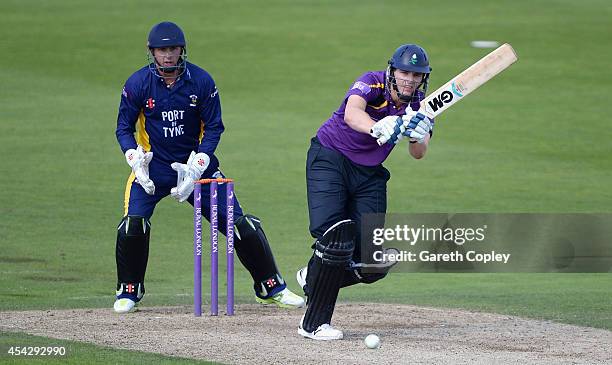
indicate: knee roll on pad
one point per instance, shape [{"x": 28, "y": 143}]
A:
[
  {"x": 134, "y": 225},
  {"x": 337, "y": 244},
  {"x": 246, "y": 226}
]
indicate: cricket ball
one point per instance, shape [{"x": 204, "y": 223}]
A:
[{"x": 372, "y": 341}]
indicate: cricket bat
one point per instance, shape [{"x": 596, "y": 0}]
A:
[{"x": 467, "y": 81}]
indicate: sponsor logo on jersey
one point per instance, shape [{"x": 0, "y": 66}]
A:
[
  {"x": 361, "y": 86},
  {"x": 174, "y": 117}
]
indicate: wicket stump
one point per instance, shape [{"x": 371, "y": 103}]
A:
[{"x": 214, "y": 246}]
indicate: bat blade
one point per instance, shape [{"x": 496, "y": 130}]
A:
[{"x": 469, "y": 80}]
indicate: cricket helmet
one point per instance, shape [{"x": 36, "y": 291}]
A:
[
  {"x": 408, "y": 57},
  {"x": 166, "y": 34}
]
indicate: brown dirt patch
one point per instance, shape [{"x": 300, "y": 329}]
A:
[{"x": 409, "y": 334}]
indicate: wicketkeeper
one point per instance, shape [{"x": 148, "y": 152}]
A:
[
  {"x": 169, "y": 126},
  {"x": 346, "y": 179}
]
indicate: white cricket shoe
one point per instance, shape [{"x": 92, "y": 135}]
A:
[
  {"x": 325, "y": 332},
  {"x": 301, "y": 276},
  {"x": 124, "y": 305},
  {"x": 284, "y": 299}
]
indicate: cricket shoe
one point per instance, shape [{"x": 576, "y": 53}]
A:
[
  {"x": 128, "y": 295},
  {"x": 124, "y": 305},
  {"x": 284, "y": 299},
  {"x": 324, "y": 332}
]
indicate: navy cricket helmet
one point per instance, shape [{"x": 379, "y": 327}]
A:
[
  {"x": 166, "y": 34},
  {"x": 409, "y": 57}
]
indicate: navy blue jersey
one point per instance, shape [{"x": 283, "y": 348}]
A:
[{"x": 170, "y": 122}]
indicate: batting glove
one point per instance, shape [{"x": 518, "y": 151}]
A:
[
  {"x": 188, "y": 174},
  {"x": 388, "y": 130},
  {"x": 417, "y": 128},
  {"x": 139, "y": 160}
]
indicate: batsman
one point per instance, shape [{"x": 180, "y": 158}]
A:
[
  {"x": 345, "y": 178},
  {"x": 168, "y": 127}
]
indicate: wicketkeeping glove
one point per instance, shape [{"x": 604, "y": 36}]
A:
[
  {"x": 388, "y": 130},
  {"x": 188, "y": 174},
  {"x": 139, "y": 160},
  {"x": 418, "y": 127}
]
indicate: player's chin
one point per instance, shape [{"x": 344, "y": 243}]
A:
[{"x": 407, "y": 91}]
